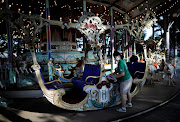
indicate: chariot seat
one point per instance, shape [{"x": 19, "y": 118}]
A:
[
  {"x": 91, "y": 76},
  {"x": 136, "y": 69}
]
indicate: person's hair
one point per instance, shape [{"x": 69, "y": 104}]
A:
[{"x": 116, "y": 53}]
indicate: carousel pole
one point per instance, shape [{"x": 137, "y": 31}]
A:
[
  {"x": 104, "y": 48},
  {"x": 153, "y": 31},
  {"x": 175, "y": 37},
  {"x": 134, "y": 47},
  {"x": 84, "y": 39},
  {"x": 122, "y": 42},
  {"x": 166, "y": 29},
  {"x": 12, "y": 78},
  {"x": 126, "y": 41},
  {"x": 49, "y": 42},
  {"x": 112, "y": 39}
]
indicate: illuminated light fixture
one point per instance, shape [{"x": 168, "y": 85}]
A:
[
  {"x": 70, "y": 20},
  {"x": 174, "y": 15},
  {"x": 60, "y": 19},
  {"x": 19, "y": 10},
  {"x": 29, "y": 12},
  {"x": 49, "y": 17}
]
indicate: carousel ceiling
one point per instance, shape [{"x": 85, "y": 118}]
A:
[{"x": 72, "y": 9}]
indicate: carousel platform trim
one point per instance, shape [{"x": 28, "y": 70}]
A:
[
  {"x": 142, "y": 103},
  {"x": 22, "y": 94}
]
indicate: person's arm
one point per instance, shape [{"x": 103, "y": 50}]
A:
[
  {"x": 119, "y": 75},
  {"x": 121, "y": 71}
]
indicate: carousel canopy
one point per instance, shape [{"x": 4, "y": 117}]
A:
[{"x": 72, "y": 10}]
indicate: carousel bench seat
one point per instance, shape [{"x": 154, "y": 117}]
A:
[
  {"x": 51, "y": 85},
  {"x": 136, "y": 69},
  {"x": 90, "y": 76}
]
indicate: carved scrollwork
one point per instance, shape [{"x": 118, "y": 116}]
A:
[{"x": 36, "y": 67}]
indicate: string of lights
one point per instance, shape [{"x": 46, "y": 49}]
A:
[{"x": 118, "y": 19}]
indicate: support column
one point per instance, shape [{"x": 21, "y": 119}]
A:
[
  {"x": 175, "y": 38},
  {"x": 153, "y": 31},
  {"x": 166, "y": 31},
  {"x": 84, "y": 7},
  {"x": 112, "y": 39},
  {"x": 134, "y": 47},
  {"x": 48, "y": 32},
  {"x": 126, "y": 43},
  {"x": 104, "y": 47},
  {"x": 84, "y": 39},
  {"x": 122, "y": 41},
  {"x": 12, "y": 77}
]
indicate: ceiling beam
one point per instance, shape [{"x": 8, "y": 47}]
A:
[
  {"x": 116, "y": 1},
  {"x": 136, "y": 6},
  {"x": 109, "y": 4}
]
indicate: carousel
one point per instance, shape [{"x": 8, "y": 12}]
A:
[{"x": 79, "y": 80}]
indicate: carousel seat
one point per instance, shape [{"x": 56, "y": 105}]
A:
[
  {"x": 136, "y": 69},
  {"x": 52, "y": 85},
  {"x": 90, "y": 76}
]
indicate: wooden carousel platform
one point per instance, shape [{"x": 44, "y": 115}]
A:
[{"x": 39, "y": 109}]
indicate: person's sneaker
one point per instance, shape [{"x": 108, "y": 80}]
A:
[
  {"x": 129, "y": 105},
  {"x": 121, "y": 109}
]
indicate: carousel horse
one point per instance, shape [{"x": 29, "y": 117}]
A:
[
  {"x": 153, "y": 70},
  {"x": 59, "y": 72},
  {"x": 170, "y": 71},
  {"x": 75, "y": 71}
]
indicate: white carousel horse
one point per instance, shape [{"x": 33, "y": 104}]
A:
[
  {"x": 153, "y": 70},
  {"x": 170, "y": 71}
]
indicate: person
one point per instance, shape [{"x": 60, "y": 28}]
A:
[{"x": 124, "y": 77}]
